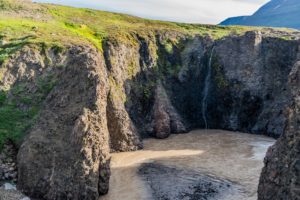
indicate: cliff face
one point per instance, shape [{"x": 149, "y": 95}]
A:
[
  {"x": 280, "y": 178},
  {"x": 254, "y": 90},
  {"x": 162, "y": 83},
  {"x": 69, "y": 140}
]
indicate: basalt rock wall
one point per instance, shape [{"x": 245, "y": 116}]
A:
[
  {"x": 148, "y": 85},
  {"x": 280, "y": 178}
]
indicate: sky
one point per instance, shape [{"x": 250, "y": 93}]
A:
[{"x": 190, "y": 11}]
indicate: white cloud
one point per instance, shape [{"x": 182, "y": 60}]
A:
[{"x": 193, "y": 11}]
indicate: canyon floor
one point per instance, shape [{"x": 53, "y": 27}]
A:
[{"x": 203, "y": 164}]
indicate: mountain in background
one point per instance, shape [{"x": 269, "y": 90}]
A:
[{"x": 276, "y": 13}]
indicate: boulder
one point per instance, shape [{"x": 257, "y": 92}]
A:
[{"x": 166, "y": 119}]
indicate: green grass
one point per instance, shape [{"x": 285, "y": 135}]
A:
[
  {"x": 15, "y": 120},
  {"x": 66, "y": 25},
  {"x": 14, "y": 123},
  {"x": 11, "y": 47}
]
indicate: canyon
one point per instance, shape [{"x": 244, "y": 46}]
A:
[{"x": 81, "y": 101}]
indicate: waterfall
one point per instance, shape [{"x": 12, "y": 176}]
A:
[{"x": 206, "y": 89}]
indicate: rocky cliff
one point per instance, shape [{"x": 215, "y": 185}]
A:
[
  {"x": 108, "y": 102},
  {"x": 69, "y": 141},
  {"x": 280, "y": 178},
  {"x": 72, "y": 91}
]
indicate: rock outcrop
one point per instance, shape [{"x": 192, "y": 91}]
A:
[
  {"x": 68, "y": 146},
  {"x": 92, "y": 103},
  {"x": 280, "y": 178},
  {"x": 120, "y": 58},
  {"x": 251, "y": 83},
  {"x": 166, "y": 120}
]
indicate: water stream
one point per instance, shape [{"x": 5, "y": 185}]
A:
[
  {"x": 166, "y": 169},
  {"x": 206, "y": 88}
]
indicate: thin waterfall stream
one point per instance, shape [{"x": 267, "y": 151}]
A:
[{"x": 206, "y": 89}]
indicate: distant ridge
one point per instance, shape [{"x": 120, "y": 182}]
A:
[{"x": 276, "y": 13}]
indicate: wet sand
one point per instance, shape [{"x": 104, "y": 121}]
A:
[{"x": 229, "y": 156}]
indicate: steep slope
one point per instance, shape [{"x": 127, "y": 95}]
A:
[
  {"x": 77, "y": 84},
  {"x": 276, "y": 13}
]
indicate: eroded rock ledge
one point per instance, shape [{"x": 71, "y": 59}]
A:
[{"x": 151, "y": 85}]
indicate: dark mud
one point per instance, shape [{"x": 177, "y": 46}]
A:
[{"x": 171, "y": 183}]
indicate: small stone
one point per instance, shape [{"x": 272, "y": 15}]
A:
[
  {"x": 25, "y": 198},
  {"x": 8, "y": 186}
]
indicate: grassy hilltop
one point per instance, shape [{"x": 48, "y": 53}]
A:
[{"x": 23, "y": 22}]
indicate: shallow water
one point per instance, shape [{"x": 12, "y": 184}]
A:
[{"x": 230, "y": 156}]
